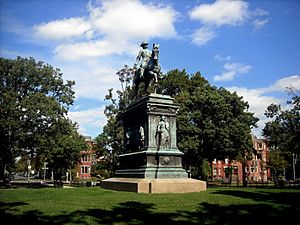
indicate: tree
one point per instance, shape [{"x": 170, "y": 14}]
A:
[
  {"x": 212, "y": 122},
  {"x": 283, "y": 135},
  {"x": 33, "y": 99},
  {"x": 111, "y": 142},
  {"x": 60, "y": 146}
]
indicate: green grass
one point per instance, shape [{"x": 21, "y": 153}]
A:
[{"x": 99, "y": 206}]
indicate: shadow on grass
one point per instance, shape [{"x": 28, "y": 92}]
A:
[
  {"x": 275, "y": 208},
  {"x": 286, "y": 199}
]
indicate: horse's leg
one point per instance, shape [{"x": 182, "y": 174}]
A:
[
  {"x": 155, "y": 78},
  {"x": 137, "y": 81},
  {"x": 155, "y": 85},
  {"x": 146, "y": 86},
  {"x": 136, "y": 87}
]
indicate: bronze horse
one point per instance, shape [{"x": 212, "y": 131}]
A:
[{"x": 151, "y": 74}]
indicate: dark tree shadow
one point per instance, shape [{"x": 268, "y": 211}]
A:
[
  {"x": 264, "y": 211},
  {"x": 289, "y": 199}
]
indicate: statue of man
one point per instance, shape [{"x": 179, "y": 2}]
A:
[
  {"x": 162, "y": 133},
  {"x": 143, "y": 58}
]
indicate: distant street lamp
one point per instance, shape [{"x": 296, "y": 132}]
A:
[
  {"x": 295, "y": 159},
  {"x": 45, "y": 170},
  {"x": 28, "y": 173}
]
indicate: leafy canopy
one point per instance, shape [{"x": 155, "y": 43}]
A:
[
  {"x": 283, "y": 135},
  {"x": 212, "y": 122},
  {"x": 34, "y": 102}
]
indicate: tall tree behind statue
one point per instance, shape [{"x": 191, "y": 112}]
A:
[
  {"x": 110, "y": 141},
  {"x": 34, "y": 103},
  {"x": 211, "y": 123},
  {"x": 283, "y": 135}
]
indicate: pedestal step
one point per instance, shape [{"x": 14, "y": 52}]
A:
[{"x": 184, "y": 185}]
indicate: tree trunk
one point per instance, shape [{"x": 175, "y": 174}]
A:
[
  {"x": 6, "y": 176},
  {"x": 244, "y": 175}
]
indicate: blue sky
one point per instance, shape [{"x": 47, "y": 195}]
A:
[{"x": 251, "y": 47}]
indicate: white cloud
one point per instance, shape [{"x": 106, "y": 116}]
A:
[
  {"x": 111, "y": 31},
  {"x": 88, "y": 119},
  {"x": 225, "y": 76},
  {"x": 222, "y": 58},
  {"x": 92, "y": 48},
  {"x": 259, "y": 99},
  {"x": 61, "y": 29},
  {"x": 238, "y": 67},
  {"x": 259, "y": 12},
  {"x": 132, "y": 19},
  {"x": 232, "y": 70},
  {"x": 230, "y": 13},
  {"x": 282, "y": 84},
  {"x": 111, "y": 27},
  {"x": 259, "y": 23},
  {"x": 89, "y": 49},
  {"x": 258, "y": 102},
  {"x": 92, "y": 80},
  {"x": 256, "y": 98},
  {"x": 203, "y": 35},
  {"x": 221, "y": 12}
]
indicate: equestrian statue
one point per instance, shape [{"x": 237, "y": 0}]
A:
[{"x": 147, "y": 68}]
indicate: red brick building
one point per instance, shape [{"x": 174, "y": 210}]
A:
[
  {"x": 87, "y": 159},
  {"x": 255, "y": 169}
]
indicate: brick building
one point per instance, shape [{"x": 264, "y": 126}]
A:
[
  {"x": 255, "y": 169},
  {"x": 87, "y": 159}
]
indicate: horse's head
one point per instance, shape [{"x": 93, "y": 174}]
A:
[{"x": 155, "y": 52}]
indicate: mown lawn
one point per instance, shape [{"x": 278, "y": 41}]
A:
[{"x": 95, "y": 205}]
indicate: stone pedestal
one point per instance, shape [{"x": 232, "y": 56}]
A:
[
  {"x": 153, "y": 163},
  {"x": 183, "y": 185}
]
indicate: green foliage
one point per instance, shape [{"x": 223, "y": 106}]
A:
[
  {"x": 277, "y": 163},
  {"x": 205, "y": 169},
  {"x": 62, "y": 149},
  {"x": 111, "y": 142},
  {"x": 211, "y": 122},
  {"x": 229, "y": 171},
  {"x": 101, "y": 170},
  {"x": 21, "y": 165},
  {"x": 283, "y": 134},
  {"x": 34, "y": 101}
]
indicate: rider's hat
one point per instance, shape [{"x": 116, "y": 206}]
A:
[{"x": 144, "y": 43}]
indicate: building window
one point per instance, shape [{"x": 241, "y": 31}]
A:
[
  {"x": 235, "y": 171},
  {"x": 255, "y": 162},
  {"x": 215, "y": 171},
  {"x": 85, "y": 169}
]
